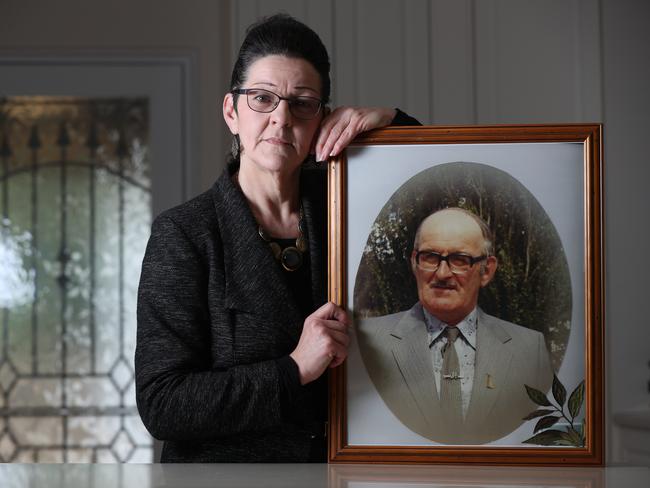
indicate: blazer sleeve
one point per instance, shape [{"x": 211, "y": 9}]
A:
[
  {"x": 402, "y": 118},
  {"x": 180, "y": 395}
]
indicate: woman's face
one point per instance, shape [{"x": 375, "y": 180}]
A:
[{"x": 275, "y": 141}]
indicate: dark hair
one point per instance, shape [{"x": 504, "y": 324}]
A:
[{"x": 282, "y": 35}]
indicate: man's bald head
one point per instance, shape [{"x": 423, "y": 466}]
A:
[{"x": 454, "y": 213}]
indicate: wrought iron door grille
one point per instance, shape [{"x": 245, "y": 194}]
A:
[{"x": 75, "y": 199}]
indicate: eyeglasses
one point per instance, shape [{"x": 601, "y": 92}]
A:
[
  {"x": 266, "y": 101},
  {"x": 458, "y": 263}
]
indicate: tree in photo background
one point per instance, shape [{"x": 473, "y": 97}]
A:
[{"x": 532, "y": 286}]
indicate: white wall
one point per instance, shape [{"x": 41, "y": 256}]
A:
[
  {"x": 196, "y": 28},
  {"x": 460, "y": 61},
  {"x": 445, "y": 62},
  {"x": 626, "y": 79}
]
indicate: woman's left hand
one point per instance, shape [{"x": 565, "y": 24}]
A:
[{"x": 343, "y": 124}]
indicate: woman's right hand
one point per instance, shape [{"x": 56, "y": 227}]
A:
[
  {"x": 323, "y": 342},
  {"x": 343, "y": 124}
]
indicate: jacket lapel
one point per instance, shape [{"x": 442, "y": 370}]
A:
[
  {"x": 491, "y": 368},
  {"x": 411, "y": 352},
  {"x": 253, "y": 280}
]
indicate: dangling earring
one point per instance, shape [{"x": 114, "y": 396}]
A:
[{"x": 235, "y": 147}]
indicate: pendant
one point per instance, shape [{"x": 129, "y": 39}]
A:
[{"x": 291, "y": 258}]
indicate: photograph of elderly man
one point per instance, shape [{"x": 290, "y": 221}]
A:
[{"x": 445, "y": 368}]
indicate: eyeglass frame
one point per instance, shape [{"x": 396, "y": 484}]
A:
[
  {"x": 289, "y": 100},
  {"x": 472, "y": 260}
]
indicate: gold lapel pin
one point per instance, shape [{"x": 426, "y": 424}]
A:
[{"x": 489, "y": 383}]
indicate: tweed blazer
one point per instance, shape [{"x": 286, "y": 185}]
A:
[
  {"x": 216, "y": 323},
  {"x": 215, "y": 319},
  {"x": 395, "y": 350}
]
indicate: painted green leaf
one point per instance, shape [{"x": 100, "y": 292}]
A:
[
  {"x": 559, "y": 392},
  {"x": 577, "y": 438},
  {"x": 545, "y": 423},
  {"x": 537, "y": 397},
  {"x": 567, "y": 439},
  {"x": 563, "y": 442},
  {"x": 576, "y": 399},
  {"x": 546, "y": 438},
  {"x": 538, "y": 413}
]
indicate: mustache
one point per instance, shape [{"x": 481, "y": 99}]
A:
[{"x": 447, "y": 285}]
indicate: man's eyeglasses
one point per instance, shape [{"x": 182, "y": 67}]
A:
[
  {"x": 458, "y": 263},
  {"x": 266, "y": 101}
]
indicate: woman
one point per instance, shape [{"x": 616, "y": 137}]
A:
[{"x": 234, "y": 334}]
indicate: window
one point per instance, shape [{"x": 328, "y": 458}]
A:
[{"x": 75, "y": 200}]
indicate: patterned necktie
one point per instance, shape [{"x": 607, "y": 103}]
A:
[{"x": 450, "y": 398}]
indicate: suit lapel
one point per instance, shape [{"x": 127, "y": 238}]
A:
[
  {"x": 411, "y": 352},
  {"x": 493, "y": 359},
  {"x": 254, "y": 281}
]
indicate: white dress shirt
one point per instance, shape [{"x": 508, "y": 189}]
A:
[{"x": 465, "y": 349}]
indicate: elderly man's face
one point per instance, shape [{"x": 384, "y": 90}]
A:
[{"x": 451, "y": 297}]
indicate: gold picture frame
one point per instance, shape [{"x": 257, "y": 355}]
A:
[{"x": 543, "y": 182}]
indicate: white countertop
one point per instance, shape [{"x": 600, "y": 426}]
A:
[{"x": 313, "y": 475}]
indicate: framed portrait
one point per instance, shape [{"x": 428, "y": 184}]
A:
[{"x": 470, "y": 260}]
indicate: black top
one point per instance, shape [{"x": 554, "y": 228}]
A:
[{"x": 299, "y": 282}]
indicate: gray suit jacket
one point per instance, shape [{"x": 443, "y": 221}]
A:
[{"x": 395, "y": 350}]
